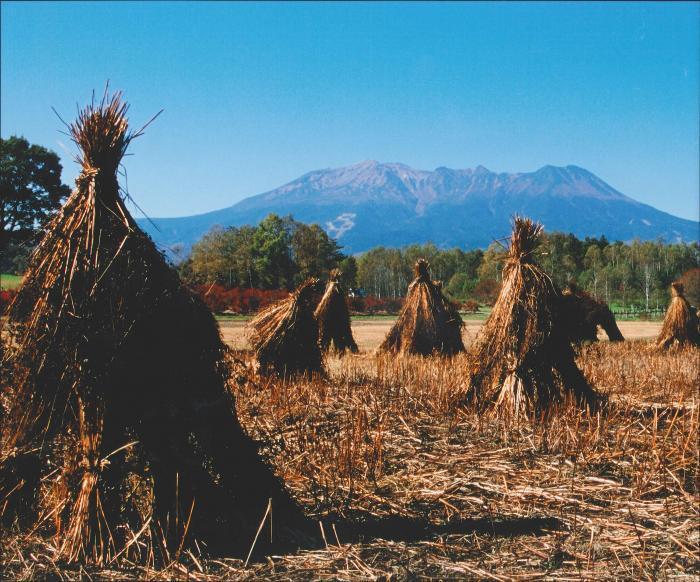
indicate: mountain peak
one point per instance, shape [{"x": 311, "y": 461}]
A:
[
  {"x": 372, "y": 203},
  {"x": 366, "y": 164},
  {"x": 566, "y": 172},
  {"x": 554, "y": 171}
]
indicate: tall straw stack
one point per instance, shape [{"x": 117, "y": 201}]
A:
[
  {"x": 680, "y": 325},
  {"x": 333, "y": 318},
  {"x": 121, "y": 424},
  {"x": 522, "y": 360},
  {"x": 284, "y": 335},
  {"x": 428, "y": 322},
  {"x": 582, "y": 314}
]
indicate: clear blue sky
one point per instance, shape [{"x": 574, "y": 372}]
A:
[{"x": 257, "y": 94}]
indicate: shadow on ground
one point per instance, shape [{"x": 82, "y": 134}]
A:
[
  {"x": 413, "y": 529},
  {"x": 362, "y": 527}
]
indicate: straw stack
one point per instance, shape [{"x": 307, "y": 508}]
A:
[
  {"x": 333, "y": 317},
  {"x": 121, "y": 424},
  {"x": 523, "y": 362},
  {"x": 428, "y": 322}
]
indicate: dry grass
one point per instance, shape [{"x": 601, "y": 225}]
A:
[{"x": 378, "y": 450}]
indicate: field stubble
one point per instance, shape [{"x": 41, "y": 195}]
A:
[
  {"x": 443, "y": 491},
  {"x": 384, "y": 439}
]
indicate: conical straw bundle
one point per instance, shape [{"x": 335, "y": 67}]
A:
[
  {"x": 120, "y": 417},
  {"x": 284, "y": 335},
  {"x": 333, "y": 318},
  {"x": 522, "y": 359},
  {"x": 582, "y": 314},
  {"x": 681, "y": 321},
  {"x": 428, "y": 322}
]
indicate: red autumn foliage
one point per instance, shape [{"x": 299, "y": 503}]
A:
[
  {"x": 237, "y": 299},
  {"x": 371, "y": 305},
  {"x": 246, "y": 301}
]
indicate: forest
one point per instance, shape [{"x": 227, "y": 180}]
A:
[{"x": 281, "y": 252}]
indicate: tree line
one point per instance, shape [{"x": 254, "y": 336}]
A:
[{"x": 281, "y": 252}]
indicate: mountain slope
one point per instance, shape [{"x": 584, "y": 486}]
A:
[{"x": 371, "y": 204}]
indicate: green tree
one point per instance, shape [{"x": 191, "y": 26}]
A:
[
  {"x": 349, "y": 268},
  {"x": 224, "y": 256},
  {"x": 562, "y": 256},
  {"x": 281, "y": 251},
  {"x": 460, "y": 286},
  {"x": 492, "y": 263},
  {"x": 243, "y": 257},
  {"x": 14, "y": 257},
  {"x": 30, "y": 187},
  {"x": 468, "y": 263},
  {"x": 208, "y": 258},
  {"x": 313, "y": 251},
  {"x": 374, "y": 271},
  {"x": 593, "y": 261},
  {"x": 272, "y": 256}
]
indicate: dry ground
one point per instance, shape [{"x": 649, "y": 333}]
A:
[
  {"x": 449, "y": 493},
  {"x": 369, "y": 333}
]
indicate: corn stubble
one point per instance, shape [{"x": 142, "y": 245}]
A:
[
  {"x": 121, "y": 437},
  {"x": 385, "y": 439}
]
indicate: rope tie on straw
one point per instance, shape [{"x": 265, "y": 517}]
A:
[{"x": 88, "y": 174}]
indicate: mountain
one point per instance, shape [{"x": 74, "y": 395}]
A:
[{"x": 372, "y": 203}]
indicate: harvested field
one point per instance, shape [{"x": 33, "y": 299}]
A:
[
  {"x": 369, "y": 332},
  {"x": 408, "y": 485}
]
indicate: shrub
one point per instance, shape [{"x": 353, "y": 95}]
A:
[
  {"x": 237, "y": 299},
  {"x": 384, "y": 305},
  {"x": 357, "y": 304}
]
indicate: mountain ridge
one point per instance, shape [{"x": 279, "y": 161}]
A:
[{"x": 391, "y": 204}]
